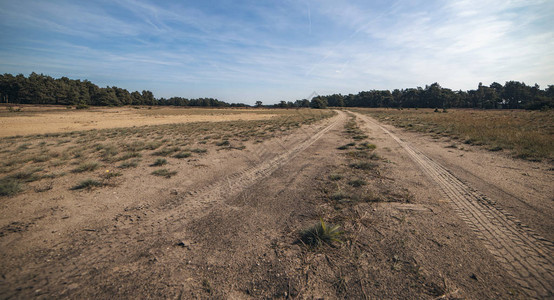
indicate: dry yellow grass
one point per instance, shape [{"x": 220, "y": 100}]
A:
[
  {"x": 41, "y": 120},
  {"x": 528, "y": 134}
]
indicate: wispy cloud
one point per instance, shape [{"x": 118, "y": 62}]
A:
[{"x": 246, "y": 51}]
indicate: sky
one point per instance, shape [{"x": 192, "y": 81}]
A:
[{"x": 249, "y": 50}]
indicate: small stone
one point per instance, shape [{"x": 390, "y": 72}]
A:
[{"x": 473, "y": 276}]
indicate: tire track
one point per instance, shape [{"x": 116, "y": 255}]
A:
[
  {"x": 93, "y": 250},
  {"x": 526, "y": 256}
]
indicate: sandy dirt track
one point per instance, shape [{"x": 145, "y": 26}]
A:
[
  {"x": 227, "y": 225},
  {"x": 526, "y": 255}
]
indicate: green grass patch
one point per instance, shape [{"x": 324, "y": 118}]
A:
[{"x": 321, "y": 233}]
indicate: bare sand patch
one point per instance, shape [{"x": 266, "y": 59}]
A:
[{"x": 39, "y": 121}]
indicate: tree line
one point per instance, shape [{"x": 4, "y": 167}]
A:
[
  {"x": 43, "y": 89},
  {"x": 511, "y": 95}
]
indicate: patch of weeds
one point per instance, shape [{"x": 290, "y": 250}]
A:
[
  {"x": 357, "y": 182},
  {"x": 495, "y": 148},
  {"x": 363, "y": 165},
  {"x": 360, "y": 137},
  {"x": 166, "y": 151},
  {"x": 54, "y": 175},
  {"x": 339, "y": 195},
  {"x": 129, "y": 164},
  {"x": 366, "y": 145},
  {"x": 198, "y": 150},
  {"x": 41, "y": 158},
  {"x": 152, "y": 145},
  {"x": 128, "y": 155},
  {"x": 9, "y": 186},
  {"x": 182, "y": 155},
  {"x": 87, "y": 184},
  {"x": 344, "y": 147},
  {"x": 321, "y": 233},
  {"x": 335, "y": 177},
  {"x": 108, "y": 174},
  {"x": 86, "y": 167},
  {"x": 159, "y": 162},
  {"x": 453, "y": 146},
  {"x": 23, "y": 147},
  {"x": 27, "y": 175},
  {"x": 164, "y": 173}
]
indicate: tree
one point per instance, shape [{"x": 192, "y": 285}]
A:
[
  {"x": 318, "y": 102},
  {"x": 259, "y": 103}
]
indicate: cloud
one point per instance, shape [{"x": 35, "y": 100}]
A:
[{"x": 279, "y": 50}]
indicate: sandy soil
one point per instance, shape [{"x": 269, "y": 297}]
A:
[
  {"x": 227, "y": 226},
  {"x": 36, "y": 120}
]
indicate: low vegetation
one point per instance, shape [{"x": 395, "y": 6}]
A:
[
  {"x": 26, "y": 159},
  {"x": 164, "y": 173},
  {"x": 524, "y": 134},
  {"x": 321, "y": 233}
]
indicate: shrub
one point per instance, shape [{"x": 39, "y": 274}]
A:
[{"x": 321, "y": 233}]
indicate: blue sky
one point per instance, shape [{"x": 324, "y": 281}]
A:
[{"x": 243, "y": 51}]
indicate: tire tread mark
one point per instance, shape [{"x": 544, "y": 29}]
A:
[{"x": 524, "y": 254}]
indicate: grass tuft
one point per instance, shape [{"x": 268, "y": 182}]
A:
[
  {"x": 159, "y": 162},
  {"x": 9, "y": 186},
  {"x": 335, "y": 177},
  {"x": 363, "y": 165},
  {"x": 357, "y": 182},
  {"x": 87, "y": 184},
  {"x": 182, "y": 155},
  {"x": 86, "y": 167},
  {"x": 129, "y": 164},
  {"x": 320, "y": 234},
  {"x": 164, "y": 173}
]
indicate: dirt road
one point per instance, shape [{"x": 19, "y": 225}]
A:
[
  {"x": 227, "y": 227},
  {"x": 525, "y": 255}
]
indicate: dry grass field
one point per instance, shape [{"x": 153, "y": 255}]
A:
[
  {"x": 30, "y": 159},
  {"x": 526, "y": 134},
  {"x": 30, "y": 119},
  {"x": 259, "y": 203}
]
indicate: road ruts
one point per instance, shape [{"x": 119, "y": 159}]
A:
[
  {"x": 148, "y": 228},
  {"x": 526, "y": 256},
  {"x": 241, "y": 180}
]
